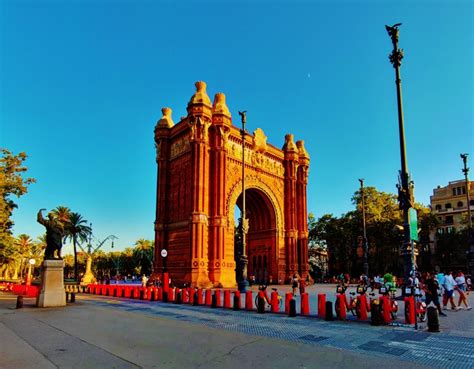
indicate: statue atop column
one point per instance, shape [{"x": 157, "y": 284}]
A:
[{"x": 54, "y": 235}]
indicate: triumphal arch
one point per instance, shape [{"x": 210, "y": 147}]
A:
[{"x": 199, "y": 183}]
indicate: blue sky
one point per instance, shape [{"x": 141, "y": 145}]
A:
[{"x": 82, "y": 85}]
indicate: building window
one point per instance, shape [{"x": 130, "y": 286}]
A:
[
  {"x": 471, "y": 202},
  {"x": 440, "y": 230},
  {"x": 438, "y": 207},
  {"x": 448, "y": 219},
  {"x": 448, "y": 206},
  {"x": 460, "y": 204},
  {"x": 449, "y": 229},
  {"x": 463, "y": 190},
  {"x": 454, "y": 191}
]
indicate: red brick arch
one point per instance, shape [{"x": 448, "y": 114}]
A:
[{"x": 199, "y": 181}]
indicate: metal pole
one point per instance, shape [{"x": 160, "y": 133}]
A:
[
  {"x": 470, "y": 258},
  {"x": 366, "y": 263},
  {"x": 243, "y": 262},
  {"x": 405, "y": 185}
]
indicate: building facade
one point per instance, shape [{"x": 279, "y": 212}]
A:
[
  {"x": 449, "y": 203},
  {"x": 199, "y": 184}
]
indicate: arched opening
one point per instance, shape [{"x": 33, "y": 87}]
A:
[{"x": 261, "y": 237}]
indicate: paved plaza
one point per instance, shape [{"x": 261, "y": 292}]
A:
[{"x": 106, "y": 332}]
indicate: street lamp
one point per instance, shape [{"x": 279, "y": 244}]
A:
[
  {"x": 243, "y": 261},
  {"x": 465, "y": 170},
  {"x": 366, "y": 263},
  {"x": 405, "y": 184}
]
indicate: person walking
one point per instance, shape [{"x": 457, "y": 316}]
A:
[
  {"x": 449, "y": 285},
  {"x": 144, "y": 280},
  {"x": 431, "y": 287},
  {"x": 294, "y": 283},
  {"x": 462, "y": 290}
]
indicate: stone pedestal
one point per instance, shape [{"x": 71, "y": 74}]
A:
[{"x": 52, "y": 292}]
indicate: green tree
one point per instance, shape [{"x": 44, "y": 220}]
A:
[
  {"x": 143, "y": 253},
  {"x": 12, "y": 183},
  {"x": 78, "y": 231}
]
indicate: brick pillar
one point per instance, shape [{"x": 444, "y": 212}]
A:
[
  {"x": 291, "y": 235},
  {"x": 162, "y": 131},
  {"x": 221, "y": 269},
  {"x": 302, "y": 209},
  {"x": 199, "y": 119}
]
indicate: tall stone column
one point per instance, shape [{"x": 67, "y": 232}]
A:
[
  {"x": 162, "y": 132},
  {"x": 302, "y": 210},
  {"x": 221, "y": 267},
  {"x": 199, "y": 119},
  {"x": 291, "y": 235}
]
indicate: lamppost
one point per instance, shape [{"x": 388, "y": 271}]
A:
[
  {"x": 405, "y": 184},
  {"x": 366, "y": 263},
  {"x": 465, "y": 170},
  {"x": 243, "y": 261}
]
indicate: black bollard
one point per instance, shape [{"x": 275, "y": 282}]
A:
[
  {"x": 329, "y": 314},
  {"x": 236, "y": 303},
  {"x": 165, "y": 296},
  {"x": 292, "y": 310},
  {"x": 195, "y": 301},
  {"x": 152, "y": 297},
  {"x": 214, "y": 301},
  {"x": 115, "y": 292},
  {"x": 73, "y": 297},
  {"x": 142, "y": 295},
  {"x": 375, "y": 313},
  {"x": 19, "y": 302},
  {"x": 433, "y": 319},
  {"x": 67, "y": 296},
  {"x": 179, "y": 298},
  {"x": 260, "y": 305}
]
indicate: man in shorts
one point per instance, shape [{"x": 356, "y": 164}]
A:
[
  {"x": 449, "y": 285},
  {"x": 431, "y": 292}
]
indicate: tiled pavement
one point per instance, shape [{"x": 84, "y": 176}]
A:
[{"x": 442, "y": 350}]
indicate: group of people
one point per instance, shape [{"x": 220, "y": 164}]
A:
[
  {"x": 450, "y": 285},
  {"x": 299, "y": 283}
]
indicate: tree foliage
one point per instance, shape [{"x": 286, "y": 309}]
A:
[
  {"x": 343, "y": 236},
  {"x": 12, "y": 183}
]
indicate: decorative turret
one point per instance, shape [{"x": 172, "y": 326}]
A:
[
  {"x": 166, "y": 121},
  {"x": 289, "y": 144},
  {"x": 220, "y": 106},
  {"x": 200, "y": 104},
  {"x": 200, "y": 97},
  {"x": 303, "y": 154}
]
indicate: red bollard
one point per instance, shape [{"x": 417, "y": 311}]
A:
[
  {"x": 145, "y": 293},
  {"x": 185, "y": 295},
  {"x": 191, "y": 296},
  {"x": 127, "y": 292},
  {"x": 322, "y": 305},
  {"x": 410, "y": 310},
  {"x": 200, "y": 297},
  {"x": 171, "y": 294},
  {"x": 166, "y": 282},
  {"x": 363, "y": 308},
  {"x": 288, "y": 297},
  {"x": 248, "y": 301},
  {"x": 304, "y": 304},
  {"x": 237, "y": 294},
  {"x": 341, "y": 302},
  {"x": 274, "y": 302},
  {"x": 386, "y": 317},
  {"x": 218, "y": 298},
  {"x": 227, "y": 303},
  {"x": 208, "y": 297},
  {"x": 160, "y": 294},
  {"x": 155, "y": 293}
]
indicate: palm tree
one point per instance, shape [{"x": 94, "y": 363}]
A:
[
  {"x": 24, "y": 245},
  {"x": 143, "y": 252},
  {"x": 62, "y": 213},
  {"x": 77, "y": 230}
]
